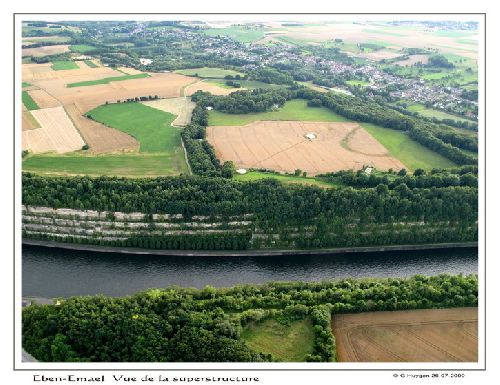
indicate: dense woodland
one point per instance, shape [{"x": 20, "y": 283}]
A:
[{"x": 174, "y": 324}]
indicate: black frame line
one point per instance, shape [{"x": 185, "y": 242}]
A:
[{"x": 14, "y": 15}]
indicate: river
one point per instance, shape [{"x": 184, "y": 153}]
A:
[{"x": 63, "y": 273}]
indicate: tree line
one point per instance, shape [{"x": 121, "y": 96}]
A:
[{"x": 193, "y": 325}]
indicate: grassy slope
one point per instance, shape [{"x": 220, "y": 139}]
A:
[
  {"x": 150, "y": 126},
  {"x": 127, "y": 165},
  {"x": 29, "y": 102},
  {"x": 431, "y": 113},
  {"x": 59, "y": 65},
  {"x": 256, "y": 175},
  {"x": 292, "y": 110},
  {"x": 290, "y": 343},
  {"x": 107, "y": 80},
  {"x": 207, "y": 72},
  {"x": 400, "y": 145}
]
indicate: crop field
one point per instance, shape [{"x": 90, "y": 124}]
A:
[
  {"x": 46, "y": 50},
  {"x": 107, "y": 80},
  {"x": 43, "y": 99},
  {"x": 205, "y": 85},
  {"x": 64, "y": 65},
  {"x": 81, "y": 48},
  {"x": 207, "y": 72},
  {"x": 28, "y": 101},
  {"x": 56, "y": 133},
  {"x": 287, "y": 343},
  {"x": 283, "y": 147},
  {"x": 127, "y": 165},
  {"x": 182, "y": 107},
  {"x": 46, "y": 39},
  {"x": 150, "y": 126},
  {"x": 430, "y": 335},
  {"x": 296, "y": 109},
  {"x": 90, "y": 63},
  {"x": 29, "y": 122}
]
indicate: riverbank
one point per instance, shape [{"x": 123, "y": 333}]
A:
[{"x": 241, "y": 253}]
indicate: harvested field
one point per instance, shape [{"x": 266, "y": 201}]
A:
[
  {"x": 43, "y": 99},
  {"x": 214, "y": 89},
  {"x": 430, "y": 335},
  {"x": 129, "y": 71},
  {"x": 29, "y": 122},
  {"x": 46, "y": 50},
  {"x": 182, "y": 107},
  {"x": 100, "y": 138},
  {"x": 56, "y": 133},
  {"x": 282, "y": 146},
  {"x": 165, "y": 85},
  {"x": 33, "y": 73}
]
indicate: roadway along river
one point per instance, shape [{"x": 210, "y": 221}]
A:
[{"x": 64, "y": 273}]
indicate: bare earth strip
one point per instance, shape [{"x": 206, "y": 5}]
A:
[
  {"x": 283, "y": 147},
  {"x": 182, "y": 107},
  {"x": 100, "y": 138},
  {"x": 43, "y": 99},
  {"x": 57, "y": 132},
  {"x": 46, "y": 50},
  {"x": 430, "y": 335}
]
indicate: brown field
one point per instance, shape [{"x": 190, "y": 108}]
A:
[
  {"x": 430, "y": 335},
  {"x": 214, "y": 89},
  {"x": 281, "y": 146},
  {"x": 29, "y": 122},
  {"x": 100, "y": 138},
  {"x": 43, "y": 99},
  {"x": 56, "y": 133},
  {"x": 424, "y": 59},
  {"x": 182, "y": 107},
  {"x": 46, "y": 50},
  {"x": 50, "y": 90},
  {"x": 130, "y": 71}
]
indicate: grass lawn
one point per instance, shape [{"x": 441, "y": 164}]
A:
[
  {"x": 81, "y": 48},
  {"x": 26, "y": 84},
  {"x": 290, "y": 343},
  {"x": 240, "y": 34},
  {"x": 401, "y": 146},
  {"x": 208, "y": 72},
  {"x": 107, "y": 80},
  {"x": 59, "y": 65},
  {"x": 150, "y": 126},
  {"x": 91, "y": 64},
  {"x": 256, "y": 175},
  {"x": 296, "y": 109},
  {"x": 29, "y": 102},
  {"x": 126, "y": 165},
  {"x": 431, "y": 113}
]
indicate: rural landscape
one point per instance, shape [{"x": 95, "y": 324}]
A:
[{"x": 308, "y": 142}]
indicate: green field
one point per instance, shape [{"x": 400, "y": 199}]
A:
[
  {"x": 361, "y": 83},
  {"x": 29, "y": 102},
  {"x": 208, "y": 72},
  {"x": 431, "y": 113},
  {"x": 59, "y": 65},
  {"x": 240, "y": 34},
  {"x": 126, "y": 165},
  {"x": 248, "y": 84},
  {"x": 296, "y": 109},
  {"x": 26, "y": 84},
  {"x": 49, "y": 39},
  {"x": 256, "y": 175},
  {"x": 81, "y": 48},
  {"x": 287, "y": 343},
  {"x": 401, "y": 146},
  {"x": 107, "y": 80},
  {"x": 91, "y": 64},
  {"x": 150, "y": 126}
]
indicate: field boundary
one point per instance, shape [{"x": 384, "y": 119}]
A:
[{"x": 278, "y": 252}]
